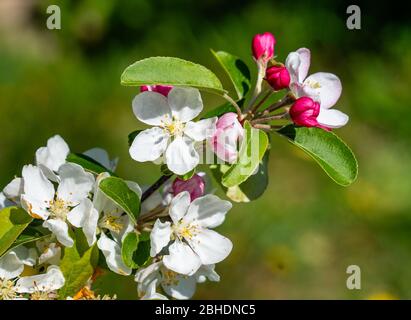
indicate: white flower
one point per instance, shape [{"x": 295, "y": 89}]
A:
[
  {"x": 322, "y": 87},
  {"x": 175, "y": 285},
  {"x": 50, "y": 281},
  {"x": 52, "y": 157},
  {"x": 112, "y": 252},
  {"x": 194, "y": 244},
  {"x": 68, "y": 204},
  {"x": 102, "y": 157},
  {"x": 173, "y": 134}
]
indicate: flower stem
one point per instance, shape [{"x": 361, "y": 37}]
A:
[
  {"x": 269, "y": 118},
  {"x": 254, "y": 109},
  {"x": 257, "y": 89},
  {"x": 236, "y": 106},
  {"x": 286, "y": 100},
  {"x": 155, "y": 186}
]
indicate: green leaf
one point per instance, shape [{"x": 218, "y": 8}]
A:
[
  {"x": 253, "y": 147},
  {"x": 327, "y": 149},
  {"x": 132, "y": 136},
  {"x": 78, "y": 264},
  {"x": 171, "y": 71},
  {"x": 88, "y": 163},
  {"x": 135, "y": 250},
  {"x": 237, "y": 71},
  {"x": 188, "y": 175},
  {"x": 13, "y": 221},
  {"x": 118, "y": 191}
]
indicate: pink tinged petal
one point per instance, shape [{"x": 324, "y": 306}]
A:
[
  {"x": 182, "y": 259},
  {"x": 60, "y": 229},
  {"x": 185, "y": 103},
  {"x": 85, "y": 216},
  {"x": 149, "y": 144},
  {"x": 328, "y": 87},
  {"x": 179, "y": 206},
  {"x": 164, "y": 90},
  {"x": 182, "y": 288},
  {"x": 151, "y": 108},
  {"x": 332, "y": 118},
  {"x": 160, "y": 236},
  {"x": 208, "y": 211},
  {"x": 181, "y": 156},
  {"x": 54, "y": 155},
  {"x": 263, "y": 46},
  {"x": 75, "y": 183},
  {"x": 210, "y": 246},
  {"x": 52, "y": 280},
  {"x": 201, "y": 130},
  {"x": 195, "y": 186}
]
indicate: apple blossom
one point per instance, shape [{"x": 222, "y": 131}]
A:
[
  {"x": 227, "y": 137},
  {"x": 322, "y": 87},
  {"x": 195, "y": 186},
  {"x": 192, "y": 242},
  {"x": 278, "y": 77},
  {"x": 173, "y": 134},
  {"x": 164, "y": 90},
  {"x": 263, "y": 47},
  {"x": 304, "y": 112}
]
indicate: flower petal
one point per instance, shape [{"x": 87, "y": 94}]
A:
[
  {"x": 112, "y": 253},
  {"x": 327, "y": 86},
  {"x": 51, "y": 254},
  {"x": 298, "y": 64},
  {"x": 160, "y": 236},
  {"x": 185, "y": 103},
  {"x": 182, "y": 259},
  {"x": 14, "y": 189},
  {"x": 151, "y": 108},
  {"x": 102, "y": 157},
  {"x": 75, "y": 183},
  {"x": 207, "y": 272},
  {"x": 85, "y": 216},
  {"x": 179, "y": 206},
  {"x": 149, "y": 144},
  {"x": 10, "y": 266},
  {"x": 54, "y": 155},
  {"x": 181, "y": 156},
  {"x": 27, "y": 256},
  {"x": 4, "y": 202},
  {"x": 60, "y": 229},
  {"x": 201, "y": 130},
  {"x": 181, "y": 287},
  {"x": 210, "y": 246},
  {"x": 332, "y": 118},
  {"x": 208, "y": 211},
  {"x": 52, "y": 280}
]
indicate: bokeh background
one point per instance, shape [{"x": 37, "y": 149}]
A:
[{"x": 298, "y": 239}]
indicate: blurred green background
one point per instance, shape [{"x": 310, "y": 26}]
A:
[{"x": 298, "y": 239}]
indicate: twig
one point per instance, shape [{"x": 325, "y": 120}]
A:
[
  {"x": 259, "y": 104},
  {"x": 154, "y": 187},
  {"x": 236, "y": 106}
]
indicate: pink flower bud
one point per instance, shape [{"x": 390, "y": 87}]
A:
[
  {"x": 263, "y": 47},
  {"x": 195, "y": 186},
  {"x": 278, "y": 77},
  {"x": 164, "y": 90},
  {"x": 225, "y": 140},
  {"x": 304, "y": 112}
]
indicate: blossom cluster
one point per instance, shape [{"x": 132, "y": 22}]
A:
[{"x": 163, "y": 234}]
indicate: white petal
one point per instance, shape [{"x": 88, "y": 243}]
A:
[
  {"x": 27, "y": 256},
  {"x": 181, "y": 287},
  {"x": 134, "y": 186},
  {"x": 51, "y": 254},
  {"x": 327, "y": 86},
  {"x": 102, "y": 157},
  {"x": 207, "y": 272},
  {"x": 181, "y": 156},
  {"x": 54, "y": 155},
  {"x": 182, "y": 259},
  {"x": 4, "y": 202},
  {"x": 149, "y": 144},
  {"x": 60, "y": 229},
  {"x": 14, "y": 189},
  {"x": 112, "y": 252},
  {"x": 298, "y": 64},
  {"x": 75, "y": 183},
  {"x": 151, "y": 108},
  {"x": 10, "y": 266},
  {"x": 52, "y": 280},
  {"x": 202, "y": 129},
  {"x": 332, "y": 118},
  {"x": 160, "y": 236},
  {"x": 150, "y": 292},
  {"x": 185, "y": 103},
  {"x": 210, "y": 246},
  {"x": 148, "y": 273},
  {"x": 85, "y": 216},
  {"x": 179, "y": 206},
  {"x": 208, "y": 211}
]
